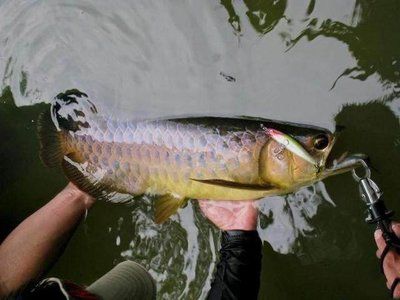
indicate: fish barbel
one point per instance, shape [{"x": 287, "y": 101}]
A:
[{"x": 181, "y": 158}]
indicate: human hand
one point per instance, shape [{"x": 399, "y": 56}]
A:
[
  {"x": 231, "y": 215},
  {"x": 37, "y": 242},
  {"x": 71, "y": 191},
  {"x": 391, "y": 263}
]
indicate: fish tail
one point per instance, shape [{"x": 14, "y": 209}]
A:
[
  {"x": 53, "y": 152},
  {"x": 51, "y": 142},
  {"x": 70, "y": 111}
]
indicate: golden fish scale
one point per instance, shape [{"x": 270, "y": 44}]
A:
[{"x": 162, "y": 157}]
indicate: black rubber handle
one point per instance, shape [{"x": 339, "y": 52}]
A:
[{"x": 382, "y": 217}]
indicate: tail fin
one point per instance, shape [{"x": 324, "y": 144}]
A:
[
  {"x": 51, "y": 148},
  {"x": 70, "y": 111}
]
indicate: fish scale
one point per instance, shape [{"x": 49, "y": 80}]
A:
[{"x": 163, "y": 165}]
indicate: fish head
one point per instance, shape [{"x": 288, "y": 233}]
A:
[{"x": 300, "y": 156}]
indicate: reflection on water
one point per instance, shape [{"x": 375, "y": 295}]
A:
[
  {"x": 371, "y": 36},
  {"x": 151, "y": 59},
  {"x": 262, "y": 15},
  {"x": 180, "y": 254},
  {"x": 117, "y": 53},
  {"x": 284, "y": 219}
]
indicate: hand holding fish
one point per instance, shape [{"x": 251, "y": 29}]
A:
[
  {"x": 72, "y": 191},
  {"x": 241, "y": 249},
  {"x": 391, "y": 264},
  {"x": 231, "y": 215},
  {"x": 33, "y": 245}
]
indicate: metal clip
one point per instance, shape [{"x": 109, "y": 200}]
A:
[
  {"x": 372, "y": 196},
  {"x": 369, "y": 190}
]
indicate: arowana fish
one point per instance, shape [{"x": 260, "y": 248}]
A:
[{"x": 182, "y": 158}]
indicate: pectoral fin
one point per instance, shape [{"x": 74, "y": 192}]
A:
[
  {"x": 235, "y": 185},
  {"x": 166, "y": 206}
]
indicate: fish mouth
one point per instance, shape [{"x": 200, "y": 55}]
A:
[{"x": 343, "y": 164}]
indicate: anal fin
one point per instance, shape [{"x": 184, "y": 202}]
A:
[
  {"x": 166, "y": 206},
  {"x": 82, "y": 180}
]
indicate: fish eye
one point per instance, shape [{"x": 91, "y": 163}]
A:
[{"x": 321, "y": 141}]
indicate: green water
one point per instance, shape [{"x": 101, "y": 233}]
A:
[{"x": 147, "y": 59}]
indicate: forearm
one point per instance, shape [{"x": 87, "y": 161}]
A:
[
  {"x": 238, "y": 271},
  {"x": 35, "y": 243}
]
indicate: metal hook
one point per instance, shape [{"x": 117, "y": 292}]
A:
[
  {"x": 369, "y": 190},
  {"x": 367, "y": 171}
]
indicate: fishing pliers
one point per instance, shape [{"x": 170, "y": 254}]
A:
[{"x": 378, "y": 214}]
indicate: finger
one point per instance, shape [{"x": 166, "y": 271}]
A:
[
  {"x": 390, "y": 263},
  {"x": 396, "y": 293},
  {"x": 202, "y": 203},
  {"x": 396, "y": 228},
  {"x": 205, "y": 201},
  {"x": 390, "y": 268},
  {"x": 246, "y": 205},
  {"x": 204, "y": 206},
  {"x": 380, "y": 242}
]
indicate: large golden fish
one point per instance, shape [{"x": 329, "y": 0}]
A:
[{"x": 177, "y": 159}]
